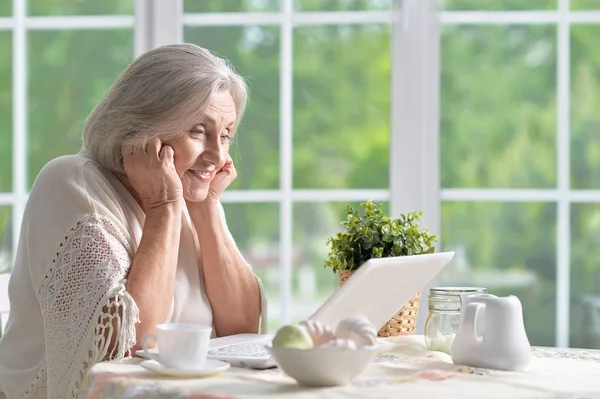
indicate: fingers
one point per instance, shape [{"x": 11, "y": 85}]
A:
[
  {"x": 127, "y": 153},
  {"x": 153, "y": 147},
  {"x": 132, "y": 148},
  {"x": 229, "y": 168},
  {"x": 167, "y": 154},
  {"x": 227, "y": 165}
]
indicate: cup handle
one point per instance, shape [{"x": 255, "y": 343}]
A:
[{"x": 145, "y": 346}]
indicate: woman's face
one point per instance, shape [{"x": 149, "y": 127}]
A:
[{"x": 202, "y": 152}]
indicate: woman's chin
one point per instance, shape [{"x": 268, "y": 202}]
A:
[
  {"x": 195, "y": 196},
  {"x": 194, "y": 191}
]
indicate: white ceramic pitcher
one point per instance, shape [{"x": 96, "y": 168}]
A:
[{"x": 491, "y": 334}]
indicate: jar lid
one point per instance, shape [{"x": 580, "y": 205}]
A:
[
  {"x": 457, "y": 290},
  {"x": 450, "y": 298}
]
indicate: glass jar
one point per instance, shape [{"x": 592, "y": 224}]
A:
[{"x": 444, "y": 315}]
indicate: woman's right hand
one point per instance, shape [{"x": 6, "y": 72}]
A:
[{"x": 151, "y": 172}]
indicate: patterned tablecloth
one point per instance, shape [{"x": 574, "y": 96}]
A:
[{"x": 405, "y": 369}]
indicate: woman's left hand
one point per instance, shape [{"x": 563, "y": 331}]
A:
[{"x": 221, "y": 181}]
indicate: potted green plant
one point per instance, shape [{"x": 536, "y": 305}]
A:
[{"x": 375, "y": 235}]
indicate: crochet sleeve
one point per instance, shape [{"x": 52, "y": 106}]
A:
[{"x": 85, "y": 305}]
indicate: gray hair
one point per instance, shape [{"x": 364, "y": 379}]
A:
[{"x": 162, "y": 93}]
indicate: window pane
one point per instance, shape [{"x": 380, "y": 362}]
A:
[
  {"x": 498, "y": 4},
  {"x": 509, "y": 248},
  {"x": 341, "y": 106},
  {"x": 585, "y": 4},
  {"x": 498, "y": 127},
  {"x": 312, "y": 282},
  {"x": 585, "y": 276},
  {"x": 6, "y": 243},
  {"x": 585, "y": 103},
  {"x": 343, "y": 5},
  {"x": 255, "y": 228},
  {"x": 5, "y": 112},
  {"x": 193, "y": 6},
  {"x": 6, "y": 9},
  {"x": 80, "y": 7},
  {"x": 64, "y": 86},
  {"x": 254, "y": 52}
]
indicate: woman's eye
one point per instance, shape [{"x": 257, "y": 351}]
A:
[
  {"x": 226, "y": 137},
  {"x": 199, "y": 131}
]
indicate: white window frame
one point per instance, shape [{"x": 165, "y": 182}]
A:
[
  {"x": 19, "y": 24},
  {"x": 414, "y": 137},
  {"x": 563, "y": 195},
  {"x": 158, "y": 22},
  {"x": 414, "y": 177}
]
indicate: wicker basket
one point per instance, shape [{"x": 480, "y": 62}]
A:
[{"x": 403, "y": 322}]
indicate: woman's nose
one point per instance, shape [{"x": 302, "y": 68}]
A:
[{"x": 213, "y": 152}]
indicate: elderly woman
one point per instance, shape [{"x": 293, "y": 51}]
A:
[{"x": 130, "y": 233}]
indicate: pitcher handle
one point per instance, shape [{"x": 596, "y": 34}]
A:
[{"x": 470, "y": 320}]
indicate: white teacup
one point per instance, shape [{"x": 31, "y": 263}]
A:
[{"x": 180, "y": 345}]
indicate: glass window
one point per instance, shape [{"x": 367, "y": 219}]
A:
[
  {"x": 509, "y": 248},
  {"x": 255, "y": 229},
  {"x": 341, "y": 116},
  {"x": 585, "y": 107},
  {"x": 254, "y": 52},
  {"x": 498, "y": 5},
  {"x": 498, "y": 122},
  {"x": 64, "y": 86},
  {"x": 585, "y": 4},
  {"x": 6, "y": 112},
  {"x": 343, "y": 5},
  {"x": 79, "y": 7},
  {"x": 197, "y": 6},
  {"x": 6, "y": 8},
  {"x": 585, "y": 276}
]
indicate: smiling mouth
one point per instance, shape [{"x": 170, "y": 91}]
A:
[{"x": 202, "y": 175}]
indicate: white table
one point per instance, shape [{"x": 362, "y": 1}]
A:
[{"x": 406, "y": 369}]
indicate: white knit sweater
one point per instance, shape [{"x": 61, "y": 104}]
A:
[{"x": 80, "y": 231}]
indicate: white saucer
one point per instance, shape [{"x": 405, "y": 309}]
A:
[
  {"x": 211, "y": 367},
  {"x": 141, "y": 353}
]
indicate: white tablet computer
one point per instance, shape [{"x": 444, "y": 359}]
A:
[
  {"x": 380, "y": 288},
  {"x": 377, "y": 291}
]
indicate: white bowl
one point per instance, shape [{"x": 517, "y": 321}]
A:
[{"x": 323, "y": 366}]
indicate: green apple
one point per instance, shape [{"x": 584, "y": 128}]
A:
[{"x": 290, "y": 336}]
